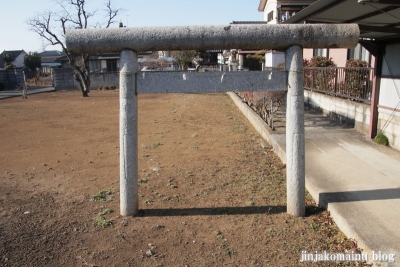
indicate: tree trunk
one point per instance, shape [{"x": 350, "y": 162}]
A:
[
  {"x": 84, "y": 82},
  {"x": 84, "y": 85}
]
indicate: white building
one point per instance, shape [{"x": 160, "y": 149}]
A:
[{"x": 379, "y": 45}]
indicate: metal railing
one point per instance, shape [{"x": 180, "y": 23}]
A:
[{"x": 351, "y": 83}]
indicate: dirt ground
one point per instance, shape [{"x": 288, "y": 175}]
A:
[{"x": 210, "y": 194}]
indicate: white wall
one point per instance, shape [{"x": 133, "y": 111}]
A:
[
  {"x": 19, "y": 61},
  {"x": 390, "y": 126},
  {"x": 389, "y": 96},
  {"x": 271, "y": 6},
  {"x": 272, "y": 59}
]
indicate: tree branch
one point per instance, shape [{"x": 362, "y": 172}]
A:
[{"x": 111, "y": 14}]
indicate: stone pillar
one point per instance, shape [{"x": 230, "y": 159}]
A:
[
  {"x": 128, "y": 134},
  {"x": 295, "y": 143},
  {"x": 241, "y": 60}
]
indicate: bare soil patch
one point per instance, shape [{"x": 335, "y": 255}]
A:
[{"x": 210, "y": 194}]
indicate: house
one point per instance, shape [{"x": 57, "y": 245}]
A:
[
  {"x": 276, "y": 12},
  {"x": 237, "y": 59},
  {"x": 18, "y": 56},
  {"x": 379, "y": 45},
  {"x": 49, "y": 60},
  {"x": 102, "y": 63},
  {"x": 104, "y": 69}
]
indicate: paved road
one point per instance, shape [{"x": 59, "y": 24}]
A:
[
  {"x": 31, "y": 90},
  {"x": 355, "y": 179}
]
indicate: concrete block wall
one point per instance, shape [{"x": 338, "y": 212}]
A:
[
  {"x": 392, "y": 129},
  {"x": 64, "y": 79},
  {"x": 104, "y": 79},
  {"x": 346, "y": 111},
  {"x": 12, "y": 78}
]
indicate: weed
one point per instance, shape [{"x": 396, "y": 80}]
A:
[
  {"x": 143, "y": 181},
  {"x": 148, "y": 201},
  {"x": 105, "y": 211},
  {"x": 218, "y": 234},
  {"x": 249, "y": 203},
  {"x": 156, "y": 144},
  {"x": 314, "y": 227},
  {"x": 146, "y": 155},
  {"x": 172, "y": 185},
  {"x": 100, "y": 220},
  {"x": 381, "y": 139},
  {"x": 111, "y": 198},
  {"x": 102, "y": 195},
  {"x": 227, "y": 251}
]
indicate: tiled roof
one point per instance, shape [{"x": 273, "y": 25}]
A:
[
  {"x": 14, "y": 53},
  {"x": 51, "y": 53}
]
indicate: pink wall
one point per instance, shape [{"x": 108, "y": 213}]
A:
[
  {"x": 339, "y": 56},
  {"x": 308, "y": 53}
]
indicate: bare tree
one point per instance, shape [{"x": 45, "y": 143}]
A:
[{"x": 73, "y": 14}]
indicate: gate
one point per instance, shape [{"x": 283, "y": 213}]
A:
[{"x": 289, "y": 37}]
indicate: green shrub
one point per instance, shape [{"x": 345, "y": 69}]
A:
[
  {"x": 357, "y": 80},
  {"x": 381, "y": 139},
  {"x": 9, "y": 67},
  {"x": 323, "y": 79},
  {"x": 355, "y": 63},
  {"x": 319, "y": 61}
]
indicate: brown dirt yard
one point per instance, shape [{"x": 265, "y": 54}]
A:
[{"x": 210, "y": 194}]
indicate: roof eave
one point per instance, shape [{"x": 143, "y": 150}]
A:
[{"x": 261, "y": 6}]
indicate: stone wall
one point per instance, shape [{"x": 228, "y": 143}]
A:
[
  {"x": 12, "y": 78},
  {"x": 64, "y": 79},
  {"x": 389, "y": 124}
]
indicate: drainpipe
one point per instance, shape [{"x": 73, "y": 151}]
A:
[{"x": 376, "y": 84}]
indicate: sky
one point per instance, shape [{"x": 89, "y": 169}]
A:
[{"x": 16, "y": 35}]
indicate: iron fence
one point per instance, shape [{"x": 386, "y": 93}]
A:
[{"x": 351, "y": 83}]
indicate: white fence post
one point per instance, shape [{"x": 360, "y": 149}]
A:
[
  {"x": 128, "y": 134},
  {"x": 295, "y": 143}
]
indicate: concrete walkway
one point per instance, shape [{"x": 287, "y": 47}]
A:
[
  {"x": 355, "y": 179},
  {"x": 31, "y": 90}
]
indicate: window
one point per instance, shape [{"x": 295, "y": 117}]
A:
[
  {"x": 324, "y": 52},
  {"x": 94, "y": 65},
  {"x": 360, "y": 53},
  {"x": 112, "y": 65},
  {"x": 285, "y": 12},
  {"x": 391, "y": 61},
  {"x": 270, "y": 16}
]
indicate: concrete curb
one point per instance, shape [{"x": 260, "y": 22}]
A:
[
  {"x": 261, "y": 126},
  {"x": 276, "y": 140},
  {"x": 18, "y": 93}
]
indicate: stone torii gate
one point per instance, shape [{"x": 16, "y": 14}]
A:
[{"x": 289, "y": 37}]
